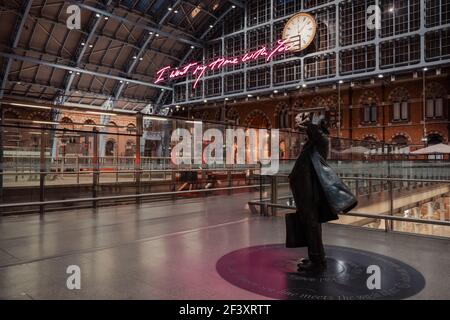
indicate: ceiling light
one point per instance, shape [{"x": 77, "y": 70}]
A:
[
  {"x": 205, "y": 101},
  {"x": 101, "y": 113},
  {"x": 70, "y": 72},
  {"x": 192, "y": 47},
  {"x": 211, "y": 26},
  {"x": 150, "y": 33},
  {"x": 391, "y": 9},
  {"x": 425, "y": 69},
  {"x": 46, "y": 122},
  {"x": 157, "y": 34},
  {"x": 91, "y": 46},
  {"x": 106, "y": 18},
  {"x": 134, "y": 57},
  {"x": 233, "y": 6},
  {"x": 155, "y": 118},
  {"x": 98, "y": 15},
  {"x": 29, "y": 106},
  {"x": 249, "y": 95},
  {"x": 341, "y": 81},
  {"x": 78, "y": 73},
  {"x": 175, "y": 11},
  {"x": 380, "y": 76},
  {"x": 275, "y": 91},
  {"x": 304, "y": 85},
  {"x": 141, "y": 58},
  {"x": 83, "y": 44}
]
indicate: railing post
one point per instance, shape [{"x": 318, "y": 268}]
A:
[
  {"x": 274, "y": 194},
  {"x": 140, "y": 131},
  {"x": 230, "y": 181},
  {"x": 42, "y": 172},
  {"x": 388, "y": 223},
  {"x": 78, "y": 169},
  {"x": 95, "y": 167},
  {"x": 260, "y": 183}
]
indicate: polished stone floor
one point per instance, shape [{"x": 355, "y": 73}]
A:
[{"x": 169, "y": 250}]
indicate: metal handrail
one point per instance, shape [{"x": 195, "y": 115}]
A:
[
  {"x": 129, "y": 171},
  {"x": 384, "y": 179},
  {"x": 124, "y": 197},
  {"x": 363, "y": 215}
]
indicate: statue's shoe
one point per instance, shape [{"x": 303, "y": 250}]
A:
[{"x": 311, "y": 267}]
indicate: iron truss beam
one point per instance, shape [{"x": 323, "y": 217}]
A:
[
  {"x": 81, "y": 71},
  {"x": 15, "y": 41},
  {"x": 70, "y": 77},
  {"x": 155, "y": 30},
  {"x": 107, "y": 37},
  {"x": 145, "y": 42}
]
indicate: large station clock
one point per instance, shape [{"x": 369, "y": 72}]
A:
[{"x": 300, "y": 31}]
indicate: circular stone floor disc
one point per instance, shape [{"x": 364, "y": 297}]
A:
[{"x": 271, "y": 271}]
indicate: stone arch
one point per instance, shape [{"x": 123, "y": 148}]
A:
[
  {"x": 283, "y": 116},
  {"x": 401, "y": 134},
  {"x": 131, "y": 127},
  {"x": 441, "y": 137},
  {"x": 233, "y": 115},
  {"x": 89, "y": 121},
  {"x": 399, "y": 94},
  {"x": 369, "y": 96},
  {"x": 66, "y": 120},
  {"x": 435, "y": 90},
  {"x": 257, "y": 119},
  {"x": 370, "y": 137},
  {"x": 318, "y": 102}
]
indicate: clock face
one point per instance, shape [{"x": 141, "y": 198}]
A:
[{"x": 300, "y": 31}]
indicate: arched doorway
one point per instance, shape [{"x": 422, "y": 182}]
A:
[
  {"x": 435, "y": 138},
  {"x": 110, "y": 148}
]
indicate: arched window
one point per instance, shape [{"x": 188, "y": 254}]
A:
[
  {"x": 130, "y": 148},
  {"x": 369, "y": 110},
  {"x": 257, "y": 119},
  {"x": 282, "y": 116},
  {"x": 233, "y": 116},
  {"x": 435, "y": 95},
  {"x": 109, "y": 148},
  {"x": 131, "y": 128},
  {"x": 400, "y": 107},
  {"x": 400, "y": 140}
]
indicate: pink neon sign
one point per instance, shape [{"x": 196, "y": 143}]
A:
[{"x": 198, "y": 70}]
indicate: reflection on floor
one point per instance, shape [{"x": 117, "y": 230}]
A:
[{"x": 169, "y": 250}]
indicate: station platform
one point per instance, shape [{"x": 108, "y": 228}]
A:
[{"x": 201, "y": 248}]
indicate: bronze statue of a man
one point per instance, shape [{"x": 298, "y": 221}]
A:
[{"x": 318, "y": 192}]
